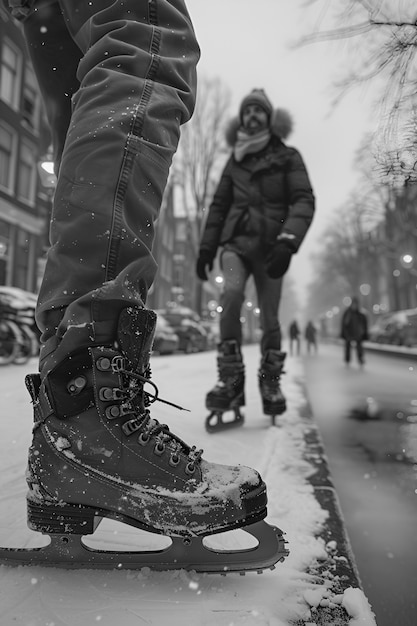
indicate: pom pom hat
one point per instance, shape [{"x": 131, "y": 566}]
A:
[{"x": 259, "y": 97}]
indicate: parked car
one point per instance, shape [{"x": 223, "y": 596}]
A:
[
  {"x": 19, "y": 305},
  {"x": 398, "y": 328},
  {"x": 166, "y": 340},
  {"x": 187, "y": 325}
]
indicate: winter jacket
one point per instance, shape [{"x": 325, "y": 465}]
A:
[
  {"x": 263, "y": 195},
  {"x": 354, "y": 325}
]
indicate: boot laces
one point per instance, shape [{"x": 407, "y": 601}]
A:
[{"x": 134, "y": 396}]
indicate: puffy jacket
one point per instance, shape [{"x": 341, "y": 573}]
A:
[
  {"x": 354, "y": 325},
  {"x": 266, "y": 193}
]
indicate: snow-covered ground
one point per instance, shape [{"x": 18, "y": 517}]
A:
[{"x": 287, "y": 596}]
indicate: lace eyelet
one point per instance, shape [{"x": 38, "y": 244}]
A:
[
  {"x": 103, "y": 364},
  {"x": 105, "y": 394},
  {"x": 174, "y": 460},
  {"x": 190, "y": 468},
  {"x": 112, "y": 412},
  {"x": 143, "y": 439},
  {"x": 159, "y": 449}
]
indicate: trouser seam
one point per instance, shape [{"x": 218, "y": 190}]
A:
[{"x": 131, "y": 144}]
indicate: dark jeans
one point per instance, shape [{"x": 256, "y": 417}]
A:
[
  {"x": 297, "y": 342},
  {"x": 236, "y": 273},
  {"x": 118, "y": 79},
  {"x": 359, "y": 351}
]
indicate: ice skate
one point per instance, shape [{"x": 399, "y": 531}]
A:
[
  {"x": 269, "y": 375},
  {"x": 97, "y": 453},
  {"x": 228, "y": 394}
]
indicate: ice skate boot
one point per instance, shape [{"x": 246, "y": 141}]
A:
[
  {"x": 269, "y": 376},
  {"x": 97, "y": 453},
  {"x": 228, "y": 394}
]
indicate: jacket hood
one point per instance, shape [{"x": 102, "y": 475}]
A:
[{"x": 281, "y": 126}]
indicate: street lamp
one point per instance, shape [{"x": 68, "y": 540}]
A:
[
  {"x": 407, "y": 261},
  {"x": 46, "y": 173}
]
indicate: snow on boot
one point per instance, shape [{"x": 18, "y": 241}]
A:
[
  {"x": 96, "y": 453},
  {"x": 269, "y": 375},
  {"x": 228, "y": 394}
]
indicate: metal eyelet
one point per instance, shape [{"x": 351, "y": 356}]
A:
[
  {"x": 112, "y": 412},
  {"x": 174, "y": 460},
  {"x": 105, "y": 394},
  {"x": 159, "y": 449},
  {"x": 190, "y": 468},
  {"x": 143, "y": 439},
  {"x": 103, "y": 364},
  {"x": 76, "y": 385}
]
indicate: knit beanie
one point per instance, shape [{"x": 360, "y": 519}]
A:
[{"x": 259, "y": 97}]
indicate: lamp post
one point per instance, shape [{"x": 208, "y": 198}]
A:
[{"x": 407, "y": 262}]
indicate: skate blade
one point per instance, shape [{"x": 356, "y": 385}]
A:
[
  {"x": 215, "y": 423},
  {"x": 69, "y": 552}
]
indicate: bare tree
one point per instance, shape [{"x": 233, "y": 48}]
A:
[
  {"x": 347, "y": 258},
  {"x": 198, "y": 162},
  {"x": 384, "y": 34},
  {"x": 202, "y": 149}
]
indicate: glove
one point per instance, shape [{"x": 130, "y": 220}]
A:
[
  {"x": 204, "y": 264},
  {"x": 279, "y": 258}
]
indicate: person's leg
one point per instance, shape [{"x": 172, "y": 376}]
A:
[
  {"x": 347, "y": 351},
  {"x": 272, "y": 360},
  {"x": 228, "y": 392},
  {"x": 359, "y": 352},
  {"x": 269, "y": 297},
  {"x": 136, "y": 87},
  {"x": 235, "y": 274}
]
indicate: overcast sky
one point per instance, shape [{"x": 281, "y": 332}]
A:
[{"x": 247, "y": 44}]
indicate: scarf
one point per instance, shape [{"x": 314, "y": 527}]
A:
[{"x": 248, "y": 144}]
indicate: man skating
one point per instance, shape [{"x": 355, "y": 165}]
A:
[{"x": 259, "y": 216}]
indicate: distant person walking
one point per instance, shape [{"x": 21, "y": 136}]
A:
[
  {"x": 354, "y": 329},
  {"x": 310, "y": 335},
  {"x": 294, "y": 333}
]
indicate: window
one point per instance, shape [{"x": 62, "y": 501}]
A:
[
  {"x": 26, "y": 182},
  {"x": 10, "y": 71},
  {"x": 30, "y": 100},
  {"x": 7, "y": 152}
]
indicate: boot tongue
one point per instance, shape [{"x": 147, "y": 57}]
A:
[{"x": 135, "y": 334}]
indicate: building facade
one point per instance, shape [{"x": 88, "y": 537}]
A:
[{"x": 24, "y": 138}]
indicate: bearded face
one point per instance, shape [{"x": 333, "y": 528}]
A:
[{"x": 254, "y": 118}]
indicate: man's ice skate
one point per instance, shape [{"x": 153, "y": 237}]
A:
[
  {"x": 228, "y": 394},
  {"x": 97, "y": 453},
  {"x": 269, "y": 375}
]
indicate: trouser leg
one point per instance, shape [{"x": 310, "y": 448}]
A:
[
  {"x": 137, "y": 85},
  {"x": 269, "y": 296},
  {"x": 347, "y": 351},
  {"x": 359, "y": 351},
  {"x": 235, "y": 276}
]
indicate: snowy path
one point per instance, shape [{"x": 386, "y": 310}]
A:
[{"x": 41, "y": 597}]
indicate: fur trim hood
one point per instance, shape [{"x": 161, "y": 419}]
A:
[{"x": 281, "y": 126}]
